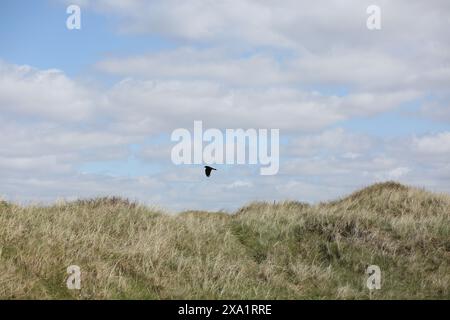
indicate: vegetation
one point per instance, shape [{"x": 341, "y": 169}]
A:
[{"x": 287, "y": 250}]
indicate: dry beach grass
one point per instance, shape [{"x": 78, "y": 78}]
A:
[{"x": 287, "y": 250}]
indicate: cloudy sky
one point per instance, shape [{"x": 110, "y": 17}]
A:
[{"x": 89, "y": 112}]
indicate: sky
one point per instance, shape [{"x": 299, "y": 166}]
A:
[{"x": 90, "y": 112}]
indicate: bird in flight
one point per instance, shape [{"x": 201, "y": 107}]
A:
[{"x": 208, "y": 170}]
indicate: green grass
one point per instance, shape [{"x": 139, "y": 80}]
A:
[{"x": 287, "y": 250}]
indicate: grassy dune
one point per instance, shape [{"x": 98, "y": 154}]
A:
[{"x": 287, "y": 250}]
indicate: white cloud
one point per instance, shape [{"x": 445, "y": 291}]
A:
[
  {"x": 434, "y": 144},
  {"x": 333, "y": 140},
  {"x": 216, "y": 65},
  {"x": 372, "y": 70},
  {"x": 239, "y": 184},
  {"x": 47, "y": 94},
  {"x": 150, "y": 106},
  {"x": 394, "y": 174},
  {"x": 290, "y": 23}
]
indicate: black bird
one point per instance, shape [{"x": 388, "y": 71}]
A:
[{"x": 208, "y": 170}]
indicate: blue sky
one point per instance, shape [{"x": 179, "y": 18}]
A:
[
  {"x": 89, "y": 112},
  {"x": 36, "y": 35}
]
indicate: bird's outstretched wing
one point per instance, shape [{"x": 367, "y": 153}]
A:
[{"x": 208, "y": 170}]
